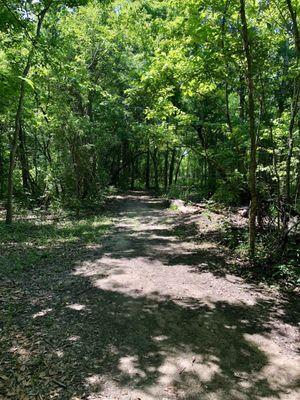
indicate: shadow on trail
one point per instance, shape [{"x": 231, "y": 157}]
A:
[{"x": 80, "y": 341}]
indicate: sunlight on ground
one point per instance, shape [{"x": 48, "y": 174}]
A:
[
  {"x": 76, "y": 307},
  {"x": 42, "y": 313},
  {"x": 178, "y": 367},
  {"x": 147, "y": 262},
  {"x": 146, "y": 276},
  {"x": 279, "y": 369},
  {"x": 147, "y": 315}
]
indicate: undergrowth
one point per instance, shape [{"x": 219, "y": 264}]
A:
[
  {"x": 35, "y": 241},
  {"x": 271, "y": 265}
]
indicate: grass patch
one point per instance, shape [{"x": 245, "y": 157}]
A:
[
  {"x": 173, "y": 207},
  {"x": 30, "y": 244}
]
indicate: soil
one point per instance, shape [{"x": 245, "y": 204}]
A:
[{"x": 148, "y": 314}]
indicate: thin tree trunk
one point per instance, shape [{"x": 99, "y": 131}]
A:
[
  {"x": 242, "y": 99},
  {"x": 155, "y": 164},
  {"x": 132, "y": 173},
  {"x": 1, "y": 170},
  {"x": 295, "y": 102},
  {"x": 172, "y": 166},
  {"x": 298, "y": 173},
  {"x": 148, "y": 169},
  {"x": 296, "y": 32},
  {"x": 275, "y": 166},
  {"x": 178, "y": 168},
  {"x": 294, "y": 111},
  {"x": 166, "y": 166},
  {"x": 229, "y": 123},
  {"x": 24, "y": 162},
  {"x": 76, "y": 165},
  {"x": 18, "y": 117},
  {"x": 252, "y": 132}
]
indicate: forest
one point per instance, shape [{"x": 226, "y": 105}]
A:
[
  {"x": 142, "y": 132},
  {"x": 195, "y": 99}
]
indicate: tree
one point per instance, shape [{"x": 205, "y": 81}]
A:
[
  {"x": 18, "y": 117},
  {"x": 252, "y": 132},
  {"x": 168, "y": 95}
]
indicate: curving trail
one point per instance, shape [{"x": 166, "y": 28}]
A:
[{"x": 152, "y": 315}]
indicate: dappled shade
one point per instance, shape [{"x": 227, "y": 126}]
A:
[{"x": 146, "y": 315}]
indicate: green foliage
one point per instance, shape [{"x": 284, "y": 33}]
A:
[
  {"x": 273, "y": 264},
  {"x": 234, "y": 238},
  {"x": 148, "y": 94},
  {"x": 230, "y": 192}
]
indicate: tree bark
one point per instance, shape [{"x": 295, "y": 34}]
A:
[{"x": 252, "y": 132}]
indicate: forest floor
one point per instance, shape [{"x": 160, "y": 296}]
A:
[{"x": 142, "y": 305}]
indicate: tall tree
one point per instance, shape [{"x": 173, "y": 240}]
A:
[
  {"x": 252, "y": 131},
  {"x": 19, "y": 113}
]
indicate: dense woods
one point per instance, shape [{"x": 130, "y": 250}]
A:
[
  {"x": 149, "y": 199},
  {"x": 196, "y": 99}
]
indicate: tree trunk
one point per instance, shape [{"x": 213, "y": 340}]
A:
[
  {"x": 166, "y": 166},
  {"x": 24, "y": 162},
  {"x": 252, "y": 133},
  {"x": 242, "y": 99},
  {"x": 132, "y": 179},
  {"x": 295, "y": 102},
  {"x": 294, "y": 111},
  {"x": 229, "y": 123},
  {"x": 18, "y": 117},
  {"x": 172, "y": 166},
  {"x": 296, "y": 32},
  {"x": 211, "y": 179},
  {"x": 275, "y": 166},
  {"x": 148, "y": 169},
  {"x": 155, "y": 164},
  {"x": 178, "y": 168},
  {"x": 1, "y": 170},
  {"x": 74, "y": 145},
  {"x": 297, "y": 194}
]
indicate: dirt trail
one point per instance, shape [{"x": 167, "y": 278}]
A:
[{"x": 150, "y": 315}]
